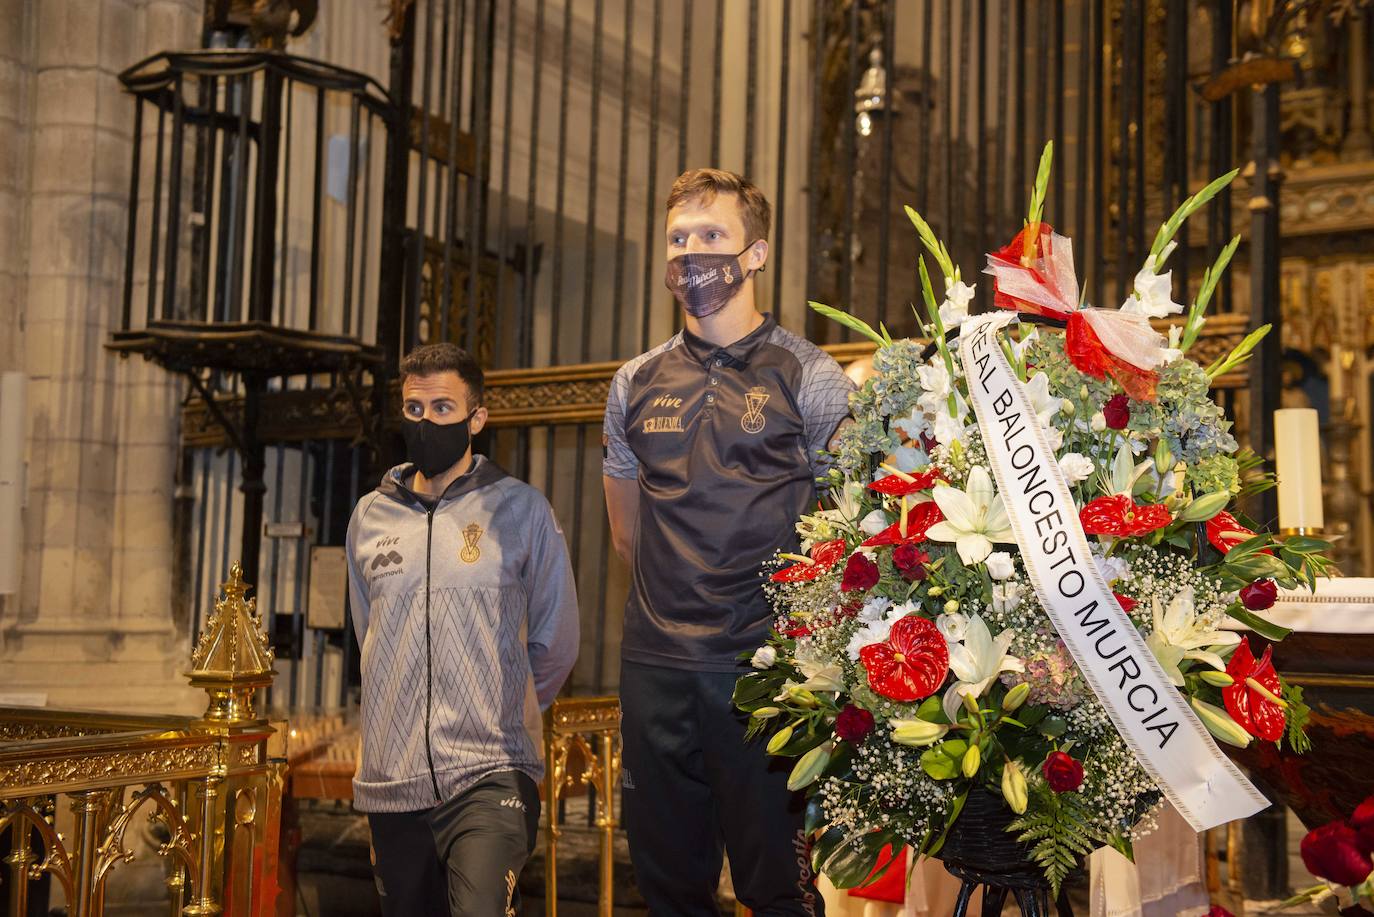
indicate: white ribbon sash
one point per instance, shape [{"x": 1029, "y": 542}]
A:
[{"x": 1151, "y": 715}]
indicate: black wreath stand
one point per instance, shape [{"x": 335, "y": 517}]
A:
[{"x": 980, "y": 852}]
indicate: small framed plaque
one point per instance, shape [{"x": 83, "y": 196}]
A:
[{"x": 328, "y": 587}]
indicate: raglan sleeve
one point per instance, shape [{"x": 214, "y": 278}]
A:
[
  {"x": 824, "y": 402},
  {"x": 554, "y": 627},
  {"x": 359, "y": 598},
  {"x": 618, "y": 459}
]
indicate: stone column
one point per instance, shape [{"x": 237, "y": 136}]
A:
[
  {"x": 94, "y": 608},
  {"x": 15, "y": 79}
]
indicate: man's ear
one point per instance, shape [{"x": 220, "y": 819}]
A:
[
  {"x": 477, "y": 421},
  {"x": 757, "y": 256}
]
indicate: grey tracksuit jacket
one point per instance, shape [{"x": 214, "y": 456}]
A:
[{"x": 467, "y": 615}]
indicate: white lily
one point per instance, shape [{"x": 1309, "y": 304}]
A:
[
  {"x": 976, "y": 662},
  {"x": 1181, "y": 634},
  {"x": 974, "y": 518},
  {"x": 847, "y": 499}
]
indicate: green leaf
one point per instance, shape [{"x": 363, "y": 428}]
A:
[
  {"x": 1054, "y": 726},
  {"x": 933, "y": 245},
  {"x": 851, "y": 863},
  {"x": 1239, "y": 355},
  {"x": 1036, "y": 212},
  {"x": 1210, "y": 277},
  {"x": 1266, "y": 629},
  {"x": 932, "y": 710},
  {"x": 814, "y": 816},
  {"x": 950, "y": 819},
  {"x": 1190, "y": 206},
  {"x": 752, "y": 688},
  {"x": 939, "y": 765},
  {"x": 849, "y": 321}
]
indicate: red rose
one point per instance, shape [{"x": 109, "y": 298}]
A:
[
  {"x": 860, "y": 574},
  {"x": 1062, "y": 772},
  {"x": 910, "y": 561},
  {"x": 853, "y": 724},
  {"x": 912, "y": 664},
  {"x": 1117, "y": 410},
  {"x": 1259, "y": 595},
  {"x": 1256, "y": 713},
  {"x": 1120, "y": 517},
  {"x": 1363, "y": 823},
  {"x": 1333, "y": 852}
]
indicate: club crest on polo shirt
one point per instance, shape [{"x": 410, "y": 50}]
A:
[
  {"x": 754, "y": 400},
  {"x": 470, "y": 553}
]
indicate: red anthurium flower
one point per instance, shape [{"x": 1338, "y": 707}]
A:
[
  {"x": 918, "y": 521},
  {"x": 1121, "y": 517},
  {"x": 894, "y": 485},
  {"x": 1257, "y": 714},
  {"x": 860, "y": 573},
  {"x": 1218, "y": 911},
  {"x": 912, "y": 664},
  {"x": 825, "y": 556},
  {"x": 1224, "y": 532},
  {"x": 1332, "y": 852},
  {"x": 1126, "y": 602}
]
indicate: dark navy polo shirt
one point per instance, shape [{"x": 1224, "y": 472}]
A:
[{"x": 724, "y": 442}]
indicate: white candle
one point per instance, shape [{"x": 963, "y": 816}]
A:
[{"x": 1298, "y": 462}]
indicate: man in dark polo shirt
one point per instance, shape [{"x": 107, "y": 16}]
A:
[{"x": 712, "y": 443}]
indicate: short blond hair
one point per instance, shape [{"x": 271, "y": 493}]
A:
[{"x": 704, "y": 184}]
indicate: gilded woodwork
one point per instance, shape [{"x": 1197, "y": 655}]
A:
[
  {"x": 590, "y": 727},
  {"x": 94, "y": 758}
]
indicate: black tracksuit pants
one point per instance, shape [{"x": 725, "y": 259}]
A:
[
  {"x": 460, "y": 858},
  {"x": 694, "y": 788}
]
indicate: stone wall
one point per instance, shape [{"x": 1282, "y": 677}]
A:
[{"x": 94, "y": 606}]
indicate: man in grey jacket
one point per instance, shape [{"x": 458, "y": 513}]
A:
[{"x": 463, "y": 602}]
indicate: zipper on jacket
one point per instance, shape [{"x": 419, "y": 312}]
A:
[{"x": 429, "y": 661}]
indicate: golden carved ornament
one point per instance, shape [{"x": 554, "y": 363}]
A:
[
  {"x": 232, "y": 659},
  {"x": 110, "y": 767}
]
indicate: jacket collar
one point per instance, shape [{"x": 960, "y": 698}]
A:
[{"x": 397, "y": 483}]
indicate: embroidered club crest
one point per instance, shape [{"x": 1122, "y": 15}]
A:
[
  {"x": 470, "y": 552},
  {"x": 754, "y": 400}
]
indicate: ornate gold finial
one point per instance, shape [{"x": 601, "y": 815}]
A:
[{"x": 232, "y": 658}]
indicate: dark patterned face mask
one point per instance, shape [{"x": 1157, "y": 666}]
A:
[{"x": 705, "y": 282}]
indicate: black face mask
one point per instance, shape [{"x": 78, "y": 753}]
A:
[
  {"x": 436, "y": 447},
  {"x": 705, "y": 282}
]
